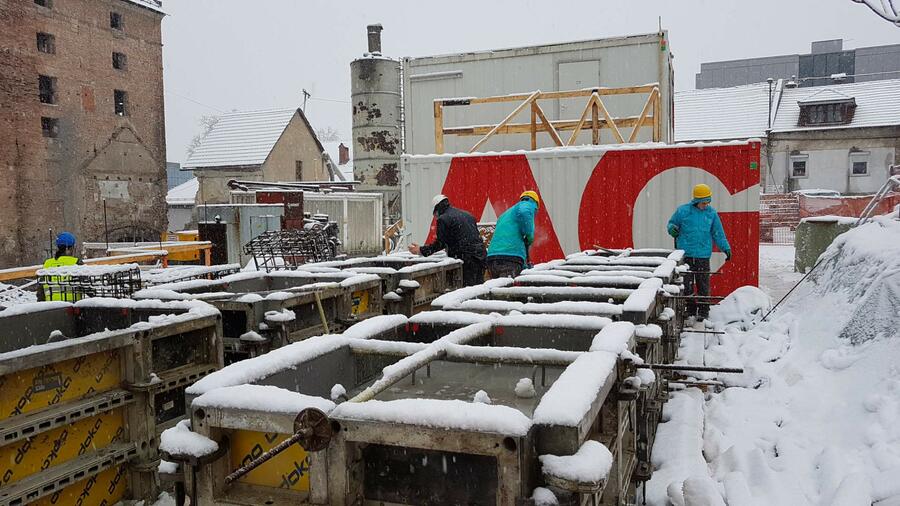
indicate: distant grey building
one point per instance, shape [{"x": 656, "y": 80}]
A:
[
  {"x": 827, "y": 63},
  {"x": 175, "y": 176}
]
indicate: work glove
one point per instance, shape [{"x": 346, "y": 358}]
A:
[
  {"x": 728, "y": 255},
  {"x": 673, "y": 230}
]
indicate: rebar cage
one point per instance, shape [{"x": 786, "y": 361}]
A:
[
  {"x": 288, "y": 249},
  {"x": 79, "y": 282}
]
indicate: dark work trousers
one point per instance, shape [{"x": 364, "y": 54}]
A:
[
  {"x": 473, "y": 270},
  {"x": 698, "y": 282},
  {"x": 505, "y": 266}
]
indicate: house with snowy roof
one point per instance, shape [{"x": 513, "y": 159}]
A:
[
  {"x": 275, "y": 145},
  {"x": 842, "y": 137}
]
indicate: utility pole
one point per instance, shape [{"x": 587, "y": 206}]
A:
[{"x": 306, "y": 95}]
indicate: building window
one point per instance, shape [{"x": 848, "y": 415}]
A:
[
  {"x": 115, "y": 21},
  {"x": 46, "y": 43},
  {"x": 120, "y": 99},
  {"x": 798, "y": 166},
  {"x": 859, "y": 163},
  {"x": 299, "y": 170},
  {"x": 50, "y": 127},
  {"x": 44, "y": 3},
  {"x": 47, "y": 89},
  {"x": 120, "y": 61},
  {"x": 831, "y": 113}
]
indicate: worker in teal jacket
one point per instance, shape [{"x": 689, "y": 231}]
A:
[
  {"x": 695, "y": 227},
  {"x": 513, "y": 236}
]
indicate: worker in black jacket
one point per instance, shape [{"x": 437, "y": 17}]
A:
[{"x": 457, "y": 232}]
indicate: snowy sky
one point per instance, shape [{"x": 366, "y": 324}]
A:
[{"x": 224, "y": 55}]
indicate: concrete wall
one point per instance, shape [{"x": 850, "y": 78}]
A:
[
  {"x": 60, "y": 183},
  {"x": 828, "y": 165},
  {"x": 180, "y": 217},
  {"x": 296, "y": 143},
  {"x": 752, "y": 70}
]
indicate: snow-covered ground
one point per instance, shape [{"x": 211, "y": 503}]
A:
[
  {"x": 776, "y": 269},
  {"x": 815, "y": 418}
]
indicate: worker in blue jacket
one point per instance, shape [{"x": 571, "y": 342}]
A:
[
  {"x": 695, "y": 226},
  {"x": 513, "y": 236}
]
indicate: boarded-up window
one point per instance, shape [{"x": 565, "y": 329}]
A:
[
  {"x": 299, "y": 170},
  {"x": 115, "y": 21},
  {"x": 50, "y": 127},
  {"x": 119, "y": 61},
  {"x": 46, "y": 43},
  {"x": 47, "y": 89},
  {"x": 121, "y": 102}
]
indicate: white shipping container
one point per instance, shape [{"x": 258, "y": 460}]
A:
[
  {"x": 612, "y": 196},
  {"x": 358, "y": 215},
  {"x": 613, "y": 62}
]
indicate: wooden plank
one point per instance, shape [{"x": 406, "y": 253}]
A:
[
  {"x": 656, "y": 119},
  {"x": 609, "y": 119},
  {"x": 595, "y": 124},
  {"x": 581, "y": 120},
  {"x": 170, "y": 248},
  {"x": 548, "y": 125},
  {"x": 525, "y": 128},
  {"x": 438, "y": 127},
  {"x": 533, "y": 126},
  {"x": 31, "y": 271},
  {"x": 506, "y": 120},
  {"x": 642, "y": 117}
]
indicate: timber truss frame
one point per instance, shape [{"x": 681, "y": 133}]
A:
[{"x": 595, "y": 116}]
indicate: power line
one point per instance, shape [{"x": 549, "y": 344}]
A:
[
  {"x": 189, "y": 99},
  {"x": 330, "y": 100}
]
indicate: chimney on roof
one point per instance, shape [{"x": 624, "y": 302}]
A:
[
  {"x": 343, "y": 154},
  {"x": 374, "y": 32}
]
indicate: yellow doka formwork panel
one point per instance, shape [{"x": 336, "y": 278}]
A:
[
  {"x": 43, "y": 451},
  {"x": 288, "y": 470},
  {"x": 360, "y": 302},
  {"x": 33, "y": 389},
  {"x": 106, "y": 488}
]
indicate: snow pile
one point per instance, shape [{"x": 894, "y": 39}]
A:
[
  {"x": 249, "y": 298},
  {"x": 374, "y": 326},
  {"x": 179, "y": 440},
  {"x": 451, "y": 414},
  {"x": 590, "y": 464},
  {"x": 482, "y": 397},
  {"x": 525, "y": 388},
  {"x": 283, "y": 316},
  {"x": 252, "y": 337},
  {"x": 544, "y": 497},
  {"x": 815, "y": 421},
  {"x": 744, "y": 307},
  {"x": 338, "y": 392}
]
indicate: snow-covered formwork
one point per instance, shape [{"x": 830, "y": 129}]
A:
[
  {"x": 87, "y": 389},
  {"x": 263, "y": 311},
  {"x": 409, "y": 283},
  {"x": 440, "y": 408}
]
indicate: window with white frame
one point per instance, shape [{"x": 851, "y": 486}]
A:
[
  {"x": 859, "y": 163},
  {"x": 799, "y": 166}
]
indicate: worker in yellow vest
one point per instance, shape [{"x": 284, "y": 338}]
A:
[{"x": 65, "y": 250}]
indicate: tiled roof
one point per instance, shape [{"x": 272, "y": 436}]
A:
[
  {"x": 740, "y": 112},
  {"x": 241, "y": 139},
  {"x": 877, "y": 104}
]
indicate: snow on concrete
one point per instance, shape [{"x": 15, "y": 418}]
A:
[
  {"x": 553, "y": 321},
  {"x": 591, "y": 463},
  {"x": 449, "y": 318},
  {"x": 423, "y": 266},
  {"x": 442, "y": 414},
  {"x": 11, "y": 295},
  {"x": 179, "y": 440},
  {"x": 166, "y": 467},
  {"x": 614, "y": 338},
  {"x": 482, "y": 397},
  {"x": 813, "y": 420},
  {"x": 651, "y": 331},
  {"x": 252, "y": 336},
  {"x": 454, "y": 298},
  {"x": 249, "y": 298},
  {"x": 374, "y": 326},
  {"x": 571, "y": 292},
  {"x": 544, "y": 497},
  {"x": 257, "y": 368},
  {"x": 32, "y": 307},
  {"x": 568, "y": 307},
  {"x": 569, "y": 398},
  {"x": 283, "y": 316},
  {"x": 525, "y": 389},
  {"x": 498, "y": 353},
  {"x": 265, "y": 398},
  {"x": 643, "y": 298},
  {"x": 409, "y": 284}
]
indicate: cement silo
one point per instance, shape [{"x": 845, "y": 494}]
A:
[{"x": 376, "y": 101}]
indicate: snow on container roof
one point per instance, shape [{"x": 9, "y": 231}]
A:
[
  {"x": 241, "y": 139},
  {"x": 740, "y": 112},
  {"x": 266, "y": 398}
]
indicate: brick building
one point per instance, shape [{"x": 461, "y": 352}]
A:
[{"x": 81, "y": 121}]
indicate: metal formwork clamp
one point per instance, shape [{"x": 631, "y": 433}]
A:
[{"x": 312, "y": 430}]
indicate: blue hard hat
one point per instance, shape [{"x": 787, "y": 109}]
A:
[{"x": 65, "y": 240}]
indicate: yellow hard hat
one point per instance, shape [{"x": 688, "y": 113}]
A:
[
  {"x": 702, "y": 191},
  {"x": 532, "y": 195}
]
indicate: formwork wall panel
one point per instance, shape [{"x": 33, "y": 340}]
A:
[
  {"x": 107, "y": 487},
  {"x": 288, "y": 470}
]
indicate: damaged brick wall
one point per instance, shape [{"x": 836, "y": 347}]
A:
[{"x": 60, "y": 182}]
